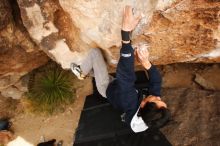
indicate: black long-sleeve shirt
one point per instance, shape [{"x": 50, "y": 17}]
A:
[{"x": 121, "y": 93}]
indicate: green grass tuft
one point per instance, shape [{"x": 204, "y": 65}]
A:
[{"x": 50, "y": 89}]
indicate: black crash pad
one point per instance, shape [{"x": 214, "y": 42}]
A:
[
  {"x": 153, "y": 138},
  {"x": 100, "y": 125}
]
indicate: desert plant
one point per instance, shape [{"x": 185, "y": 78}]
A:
[{"x": 50, "y": 89}]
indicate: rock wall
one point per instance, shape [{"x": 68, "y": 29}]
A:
[
  {"x": 188, "y": 31},
  {"x": 18, "y": 53},
  {"x": 176, "y": 30}
]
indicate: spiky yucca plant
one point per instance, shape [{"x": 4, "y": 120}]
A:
[{"x": 50, "y": 90}]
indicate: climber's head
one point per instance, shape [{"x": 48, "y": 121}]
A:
[
  {"x": 153, "y": 99},
  {"x": 154, "y": 112}
]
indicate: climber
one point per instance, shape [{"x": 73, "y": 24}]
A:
[{"x": 120, "y": 92}]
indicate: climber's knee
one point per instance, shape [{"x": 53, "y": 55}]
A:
[{"x": 96, "y": 52}]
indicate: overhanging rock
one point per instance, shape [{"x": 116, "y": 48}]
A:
[{"x": 176, "y": 30}]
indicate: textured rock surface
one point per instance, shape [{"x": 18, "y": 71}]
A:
[
  {"x": 16, "y": 90},
  {"x": 209, "y": 78},
  {"x": 193, "y": 76},
  {"x": 195, "y": 117},
  {"x": 12, "y": 92},
  {"x": 188, "y": 31},
  {"x": 177, "y": 30},
  {"x": 18, "y": 53},
  {"x": 204, "y": 83},
  {"x": 52, "y": 29}
]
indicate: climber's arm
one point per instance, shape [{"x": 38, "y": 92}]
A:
[
  {"x": 154, "y": 75},
  {"x": 154, "y": 81},
  {"x": 125, "y": 69}
]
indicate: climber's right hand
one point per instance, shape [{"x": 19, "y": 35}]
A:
[{"x": 129, "y": 21}]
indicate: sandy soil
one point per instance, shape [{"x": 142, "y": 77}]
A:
[{"x": 29, "y": 128}]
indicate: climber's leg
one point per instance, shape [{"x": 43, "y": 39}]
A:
[{"x": 95, "y": 62}]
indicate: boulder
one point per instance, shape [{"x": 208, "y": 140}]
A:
[
  {"x": 177, "y": 31},
  {"x": 7, "y": 81},
  {"x": 22, "y": 84},
  {"x": 16, "y": 89},
  {"x": 206, "y": 84},
  {"x": 19, "y": 54},
  {"x": 12, "y": 92},
  {"x": 209, "y": 78}
]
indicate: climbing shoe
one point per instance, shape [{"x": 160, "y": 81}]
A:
[{"x": 77, "y": 71}]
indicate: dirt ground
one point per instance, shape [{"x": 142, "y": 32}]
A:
[
  {"x": 195, "y": 111},
  {"x": 28, "y": 128}
]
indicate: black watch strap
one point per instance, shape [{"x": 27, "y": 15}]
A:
[{"x": 125, "y": 35}]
